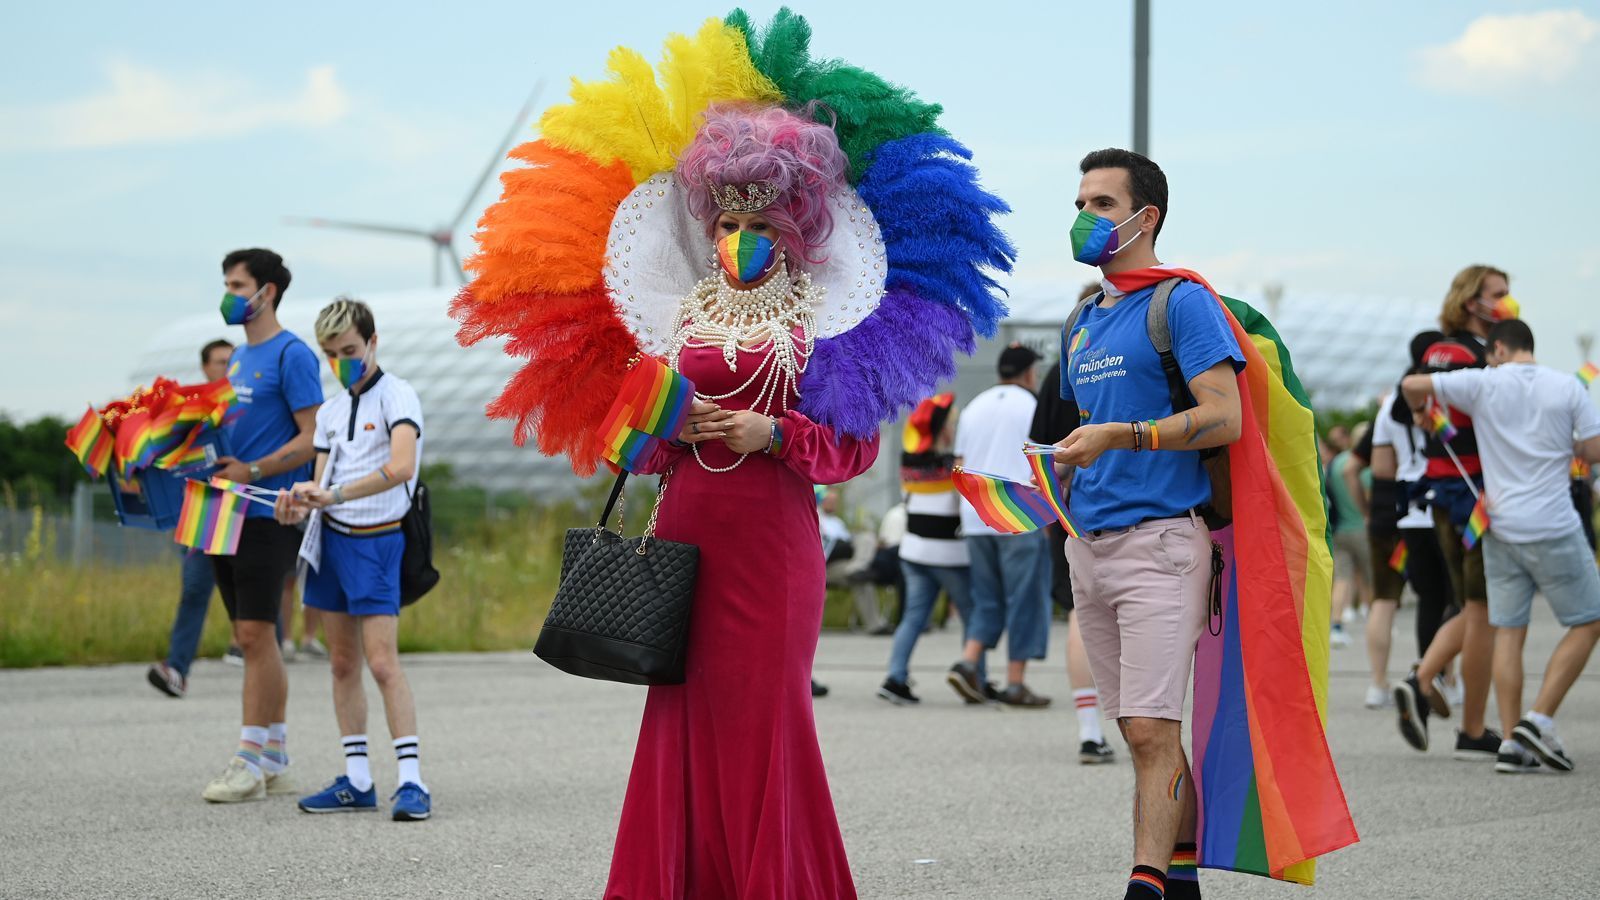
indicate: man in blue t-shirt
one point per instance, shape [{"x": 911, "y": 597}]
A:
[
  {"x": 276, "y": 378},
  {"x": 1142, "y": 569}
]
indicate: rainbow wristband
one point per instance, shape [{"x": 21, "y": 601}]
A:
[
  {"x": 775, "y": 445},
  {"x": 1155, "y": 435}
]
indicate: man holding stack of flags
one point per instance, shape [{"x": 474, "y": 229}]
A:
[{"x": 1527, "y": 418}]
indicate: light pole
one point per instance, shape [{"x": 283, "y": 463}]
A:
[{"x": 1141, "y": 77}]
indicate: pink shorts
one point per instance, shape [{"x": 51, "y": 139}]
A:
[{"x": 1141, "y": 595}]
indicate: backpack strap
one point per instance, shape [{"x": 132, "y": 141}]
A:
[
  {"x": 1160, "y": 330},
  {"x": 1072, "y": 322}
]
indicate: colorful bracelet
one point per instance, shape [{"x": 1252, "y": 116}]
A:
[
  {"x": 775, "y": 445},
  {"x": 1155, "y": 435},
  {"x": 1138, "y": 440}
]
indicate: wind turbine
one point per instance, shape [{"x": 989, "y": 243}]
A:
[{"x": 443, "y": 237}]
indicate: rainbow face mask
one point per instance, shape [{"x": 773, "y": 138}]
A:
[
  {"x": 350, "y": 370},
  {"x": 237, "y": 310},
  {"x": 1505, "y": 308},
  {"x": 1095, "y": 240},
  {"x": 747, "y": 257}
]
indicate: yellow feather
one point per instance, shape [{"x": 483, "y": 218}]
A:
[{"x": 646, "y": 120}]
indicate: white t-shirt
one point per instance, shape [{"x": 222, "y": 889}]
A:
[
  {"x": 1410, "y": 462},
  {"x": 989, "y": 439},
  {"x": 1525, "y": 417},
  {"x": 356, "y": 429}
]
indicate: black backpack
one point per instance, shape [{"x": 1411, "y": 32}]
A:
[
  {"x": 417, "y": 574},
  {"x": 1219, "y": 512}
]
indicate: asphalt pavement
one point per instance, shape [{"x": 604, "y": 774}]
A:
[{"x": 100, "y": 780}]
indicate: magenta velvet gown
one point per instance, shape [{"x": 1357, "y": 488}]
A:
[{"x": 728, "y": 799}]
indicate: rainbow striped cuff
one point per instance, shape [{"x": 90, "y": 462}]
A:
[
  {"x": 1152, "y": 883},
  {"x": 362, "y": 530},
  {"x": 1183, "y": 866}
]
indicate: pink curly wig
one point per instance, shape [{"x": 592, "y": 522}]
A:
[{"x": 738, "y": 144}]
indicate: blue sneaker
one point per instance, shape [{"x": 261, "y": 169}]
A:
[
  {"x": 412, "y": 803},
  {"x": 340, "y": 796}
]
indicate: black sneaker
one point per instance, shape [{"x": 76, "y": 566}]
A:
[
  {"x": 164, "y": 679},
  {"x": 818, "y": 689},
  {"x": 1515, "y": 759},
  {"x": 1094, "y": 753},
  {"x": 963, "y": 679},
  {"x": 898, "y": 693},
  {"x": 1413, "y": 712},
  {"x": 1544, "y": 743},
  {"x": 1019, "y": 696},
  {"x": 1483, "y": 747}
]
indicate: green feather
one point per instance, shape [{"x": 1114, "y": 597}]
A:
[{"x": 866, "y": 110}]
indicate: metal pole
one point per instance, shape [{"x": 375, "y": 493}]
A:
[{"x": 1141, "y": 77}]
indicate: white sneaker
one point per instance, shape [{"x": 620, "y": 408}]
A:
[
  {"x": 1349, "y": 616},
  {"x": 1338, "y": 638},
  {"x": 279, "y": 783},
  {"x": 1455, "y": 693},
  {"x": 288, "y": 650},
  {"x": 313, "y": 648},
  {"x": 236, "y": 784},
  {"x": 1378, "y": 697}
]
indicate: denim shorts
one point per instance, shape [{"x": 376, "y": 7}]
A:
[{"x": 1562, "y": 569}]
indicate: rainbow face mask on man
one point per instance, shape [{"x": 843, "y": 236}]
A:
[
  {"x": 747, "y": 257},
  {"x": 237, "y": 310},
  {"x": 1095, "y": 239}
]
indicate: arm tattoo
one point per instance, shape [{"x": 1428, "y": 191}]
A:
[
  {"x": 1188, "y": 425},
  {"x": 1207, "y": 428},
  {"x": 1212, "y": 391}
]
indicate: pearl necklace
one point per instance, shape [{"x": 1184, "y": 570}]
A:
[{"x": 717, "y": 315}]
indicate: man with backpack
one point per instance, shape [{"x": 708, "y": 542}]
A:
[
  {"x": 369, "y": 449},
  {"x": 1153, "y": 371}
]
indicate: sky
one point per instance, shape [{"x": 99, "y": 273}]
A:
[{"x": 1359, "y": 148}]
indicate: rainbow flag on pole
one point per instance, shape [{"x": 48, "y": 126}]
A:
[
  {"x": 1008, "y": 507},
  {"x": 653, "y": 405},
  {"x": 1399, "y": 558},
  {"x": 1439, "y": 423},
  {"x": 1477, "y": 525},
  {"x": 1587, "y": 373},
  {"x": 91, "y": 443},
  {"x": 211, "y": 520},
  {"x": 1044, "y": 469},
  {"x": 1270, "y": 798}
]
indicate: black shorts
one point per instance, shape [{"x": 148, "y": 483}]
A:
[
  {"x": 251, "y": 581},
  {"x": 1060, "y": 572}
]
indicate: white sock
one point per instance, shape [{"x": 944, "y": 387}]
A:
[
  {"x": 357, "y": 767},
  {"x": 1544, "y": 722},
  {"x": 251, "y": 739},
  {"x": 405, "y": 754},
  {"x": 275, "y": 754},
  {"x": 1089, "y": 722}
]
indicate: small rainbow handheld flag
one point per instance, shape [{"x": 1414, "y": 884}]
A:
[
  {"x": 1587, "y": 373},
  {"x": 653, "y": 405},
  {"x": 1439, "y": 423},
  {"x": 1580, "y": 470},
  {"x": 1397, "y": 559},
  {"x": 91, "y": 443},
  {"x": 1005, "y": 506},
  {"x": 1044, "y": 469},
  {"x": 211, "y": 520},
  {"x": 1477, "y": 524}
]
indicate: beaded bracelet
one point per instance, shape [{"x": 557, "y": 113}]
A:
[
  {"x": 775, "y": 444},
  {"x": 1138, "y": 442},
  {"x": 1155, "y": 435}
]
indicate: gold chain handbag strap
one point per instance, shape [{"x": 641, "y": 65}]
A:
[{"x": 650, "y": 527}]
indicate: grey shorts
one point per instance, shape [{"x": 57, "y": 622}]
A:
[{"x": 1562, "y": 569}]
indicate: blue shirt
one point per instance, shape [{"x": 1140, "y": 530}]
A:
[
  {"x": 1112, "y": 371},
  {"x": 273, "y": 379}
]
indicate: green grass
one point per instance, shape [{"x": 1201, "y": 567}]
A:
[{"x": 498, "y": 581}]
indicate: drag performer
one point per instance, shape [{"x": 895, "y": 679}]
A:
[{"x": 800, "y": 240}]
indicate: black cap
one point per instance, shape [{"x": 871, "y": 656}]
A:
[
  {"x": 1420, "y": 344},
  {"x": 1016, "y": 359}
]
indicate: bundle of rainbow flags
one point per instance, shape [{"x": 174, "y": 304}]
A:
[
  {"x": 213, "y": 515},
  {"x": 652, "y": 406},
  {"x": 1011, "y": 507},
  {"x": 155, "y": 426}
]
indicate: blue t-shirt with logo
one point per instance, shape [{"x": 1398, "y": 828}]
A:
[
  {"x": 273, "y": 379},
  {"x": 1111, "y": 370}
]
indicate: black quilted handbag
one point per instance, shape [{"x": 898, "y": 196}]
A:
[{"x": 621, "y": 612}]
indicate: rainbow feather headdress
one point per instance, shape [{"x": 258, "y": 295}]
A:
[{"x": 585, "y": 257}]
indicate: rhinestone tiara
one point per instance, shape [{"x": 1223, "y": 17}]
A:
[{"x": 748, "y": 198}]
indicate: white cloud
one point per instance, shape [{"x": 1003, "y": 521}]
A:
[
  {"x": 140, "y": 105},
  {"x": 1498, "y": 53}
]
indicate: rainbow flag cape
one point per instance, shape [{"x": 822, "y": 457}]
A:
[
  {"x": 653, "y": 405},
  {"x": 1587, "y": 373},
  {"x": 91, "y": 443},
  {"x": 1270, "y": 799},
  {"x": 1008, "y": 507},
  {"x": 1044, "y": 470},
  {"x": 1477, "y": 524},
  {"x": 211, "y": 520},
  {"x": 1399, "y": 558}
]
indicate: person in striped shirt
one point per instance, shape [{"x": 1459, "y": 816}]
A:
[{"x": 369, "y": 444}]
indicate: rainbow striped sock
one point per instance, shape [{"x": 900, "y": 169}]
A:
[
  {"x": 251, "y": 739},
  {"x": 1183, "y": 864},
  {"x": 1146, "y": 883}
]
